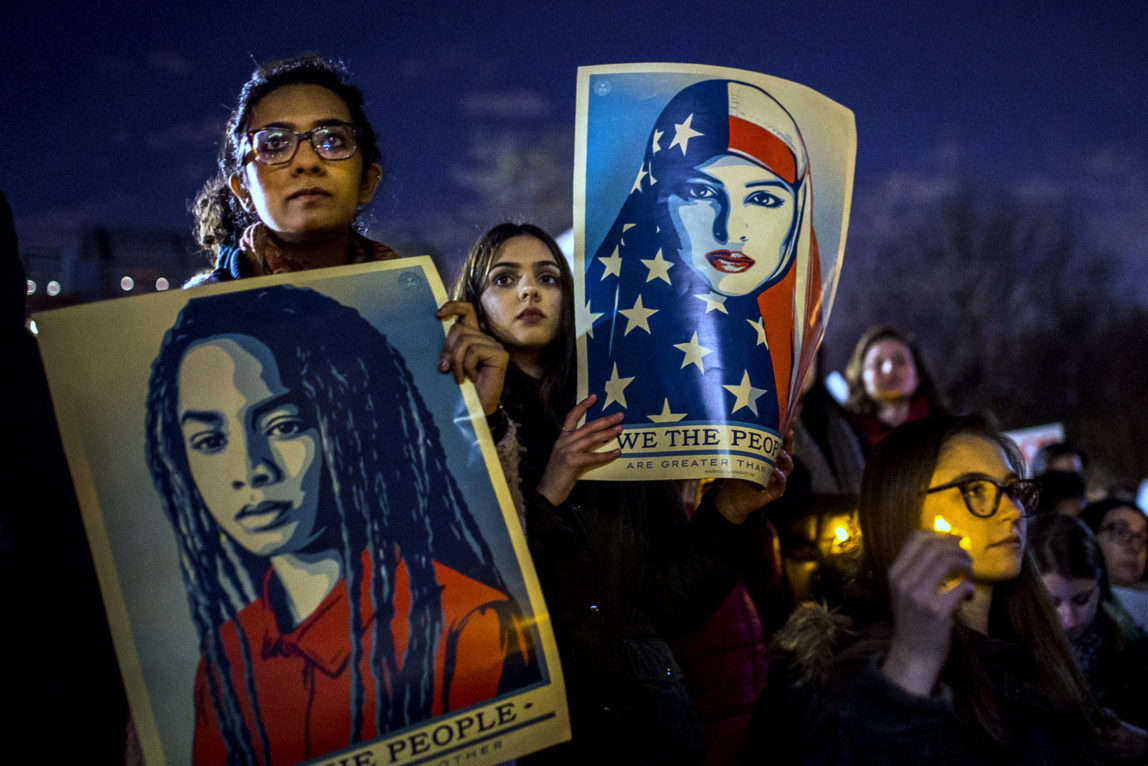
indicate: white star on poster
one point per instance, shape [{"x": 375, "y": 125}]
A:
[
  {"x": 745, "y": 394},
  {"x": 694, "y": 353},
  {"x": 616, "y": 388},
  {"x": 657, "y": 137},
  {"x": 625, "y": 228},
  {"x": 613, "y": 264},
  {"x": 659, "y": 268},
  {"x": 637, "y": 187},
  {"x": 637, "y": 316},
  {"x": 666, "y": 416},
  {"x": 683, "y": 132},
  {"x": 713, "y": 301},
  {"x": 759, "y": 325},
  {"x": 584, "y": 320}
]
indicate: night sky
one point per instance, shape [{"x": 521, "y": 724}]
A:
[{"x": 127, "y": 100}]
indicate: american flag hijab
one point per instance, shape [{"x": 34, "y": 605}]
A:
[{"x": 717, "y": 343}]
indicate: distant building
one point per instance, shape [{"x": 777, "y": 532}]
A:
[{"x": 109, "y": 263}]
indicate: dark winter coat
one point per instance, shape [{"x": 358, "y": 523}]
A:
[
  {"x": 232, "y": 261},
  {"x": 827, "y": 702},
  {"x": 623, "y": 569}
]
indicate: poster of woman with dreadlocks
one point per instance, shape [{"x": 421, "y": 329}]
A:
[
  {"x": 345, "y": 580},
  {"x": 704, "y": 271}
]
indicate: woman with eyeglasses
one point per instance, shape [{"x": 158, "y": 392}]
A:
[
  {"x": 1122, "y": 529},
  {"x": 297, "y": 164},
  {"x": 951, "y": 652}
]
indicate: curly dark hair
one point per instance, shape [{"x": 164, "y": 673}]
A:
[{"x": 218, "y": 215}]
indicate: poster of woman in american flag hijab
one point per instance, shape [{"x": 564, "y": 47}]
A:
[{"x": 704, "y": 272}]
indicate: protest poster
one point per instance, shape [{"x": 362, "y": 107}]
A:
[
  {"x": 1032, "y": 439},
  {"x": 711, "y": 206},
  {"x": 253, "y": 458}
]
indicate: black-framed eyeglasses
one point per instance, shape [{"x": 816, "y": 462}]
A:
[
  {"x": 277, "y": 146},
  {"x": 982, "y": 493},
  {"x": 1123, "y": 534}
]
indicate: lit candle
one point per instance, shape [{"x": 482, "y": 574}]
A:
[{"x": 941, "y": 525}]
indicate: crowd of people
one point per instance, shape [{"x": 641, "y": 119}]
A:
[{"x": 899, "y": 591}]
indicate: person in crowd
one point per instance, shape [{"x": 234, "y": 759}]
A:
[
  {"x": 339, "y": 584},
  {"x": 1062, "y": 492},
  {"x": 1059, "y": 456},
  {"x": 620, "y": 565},
  {"x": 64, "y": 697},
  {"x": 1111, "y": 649},
  {"x": 298, "y": 163},
  {"x": 1122, "y": 529},
  {"x": 947, "y": 650},
  {"x": 888, "y": 383},
  {"x": 724, "y": 664},
  {"x": 816, "y": 518},
  {"x": 1060, "y": 469}
]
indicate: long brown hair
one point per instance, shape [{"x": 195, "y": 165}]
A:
[
  {"x": 859, "y": 400},
  {"x": 1065, "y": 546},
  {"x": 898, "y": 471},
  {"x": 556, "y": 386}
]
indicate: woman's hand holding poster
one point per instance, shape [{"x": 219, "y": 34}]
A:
[
  {"x": 305, "y": 544},
  {"x": 704, "y": 270}
]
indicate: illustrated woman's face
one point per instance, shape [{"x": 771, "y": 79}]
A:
[
  {"x": 522, "y": 299},
  {"x": 734, "y": 220},
  {"x": 253, "y": 454},
  {"x": 308, "y": 198},
  {"x": 996, "y": 544},
  {"x": 1123, "y": 536},
  {"x": 1076, "y": 600},
  {"x": 888, "y": 372}
]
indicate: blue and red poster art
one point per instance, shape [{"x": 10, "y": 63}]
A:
[
  {"x": 306, "y": 547},
  {"x": 711, "y": 206}
]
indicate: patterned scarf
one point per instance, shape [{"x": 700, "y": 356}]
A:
[{"x": 260, "y": 248}]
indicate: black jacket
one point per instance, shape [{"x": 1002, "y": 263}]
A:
[
  {"x": 622, "y": 569},
  {"x": 826, "y": 702}
]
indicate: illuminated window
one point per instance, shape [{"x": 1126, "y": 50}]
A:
[
  {"x": 127, "y": 283},
  {"x": 53, "y": 288}
]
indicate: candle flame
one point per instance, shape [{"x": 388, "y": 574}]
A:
[{"x": 941, "y": 525}]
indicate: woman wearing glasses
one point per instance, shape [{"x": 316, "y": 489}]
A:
[
  {"x": 1122, "y": 529},
  {"x": 954, "y": 653},
  {"x": 297, "y": 163}
]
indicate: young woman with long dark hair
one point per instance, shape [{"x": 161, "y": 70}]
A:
[
  {"x": 620, "y": 565},
  {"x": 1111, "y": 648},
  {"x": 948, "y": 650}
]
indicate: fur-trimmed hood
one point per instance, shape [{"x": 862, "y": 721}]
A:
[{"x": 811, "y": 638}]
